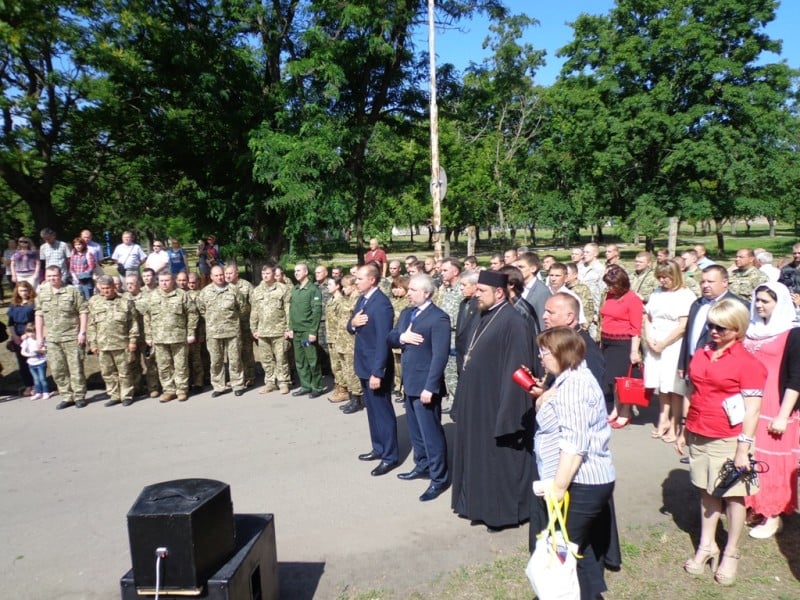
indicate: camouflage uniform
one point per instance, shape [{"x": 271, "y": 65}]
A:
[
  {"x": 398, "y": 304},
  {"x": 743, "y": 282},
  {"x": 198, "y": 355},
  {"x": 169, "y": 318},
  {"x": 693, "y": 285},
  {"x": 334, "y": 324},
  {"x": 583, "y": 292},
  {"x": 113, "y": 326},
  {"x": 222, "y": 309},
  {"x": 448, "y": 298},
  {"x": 248, "y": 356},
  {"x": 322, "y": 334},
  {"x": 268, "y": 314},
  {"x": 142, "y": 354},
  {"x": 60, "y": 310},
  {"x": 644, "y": 283},
  {"x": 346, "y": 346}
]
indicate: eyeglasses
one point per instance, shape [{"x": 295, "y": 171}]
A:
[
  {"x": 717, "y": 328},
  {"x": 543, "y": 353},
  {"x": 157, "y": 246}
]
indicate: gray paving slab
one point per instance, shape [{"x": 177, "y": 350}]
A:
[{"x": 69, "y": 477}]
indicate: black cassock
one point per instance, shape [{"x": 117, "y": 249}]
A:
[{"x": 492, "y": 458}]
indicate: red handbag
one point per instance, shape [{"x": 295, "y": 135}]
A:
[{"x": 631, "y": 390}]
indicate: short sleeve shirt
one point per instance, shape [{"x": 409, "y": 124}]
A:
[{"x": 736, "y": 371}]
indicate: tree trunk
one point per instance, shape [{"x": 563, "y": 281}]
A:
[
  {"x": 411, "y": 231},
  {"x": 532, "y": 233},
  {"x": 513, "y": 234},
  {"x": 718, "y": 223},
  {"x": 771, "y": 221},
  {"x": 599, "y": 233}
]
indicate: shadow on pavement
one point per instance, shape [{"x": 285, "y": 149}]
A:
[{"x": 299, "y": 580}]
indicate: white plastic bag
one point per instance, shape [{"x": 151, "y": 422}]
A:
[{"x": 552, "y": 568}]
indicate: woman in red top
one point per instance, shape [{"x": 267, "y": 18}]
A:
[
  {"x": 722, "y": 371},
  {"x": 621, "y": 331},
  {"x": 81, "y": 267}
]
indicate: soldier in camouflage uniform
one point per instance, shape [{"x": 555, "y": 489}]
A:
[
  {"x": 199, "y": 361},
  {"x": 61, "y": 317},
  {"x": 113, "y": 331},
  {"x": 321, "y": 279},
  {"x": 346, "y": 347},
  {"x": 221, "y": 305},
  {"x": 643, "y": 279},
  {"x": 335, "y": 331},
  {"x": 583, "y": 292},
  {"x": 746, "y": 277},
  {"x": 448, "y": 298},
  {"x": 397, "y": 296},
  {"x": 138, "y": 296},
  {"x": 268, "y": 315},
  {"x": 170, "y": 320},
  {"x": 245, "y": 290}
]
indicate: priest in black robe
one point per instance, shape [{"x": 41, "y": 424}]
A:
[{"x": 493, "y": 445}]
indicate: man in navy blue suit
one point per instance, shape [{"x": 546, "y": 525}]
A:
[
  {"x": 423, "y": 332},
  {"x": 371, "y": 322}
]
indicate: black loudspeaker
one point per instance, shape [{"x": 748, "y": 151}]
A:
[
  {"x": 193, "y": 520},
  {"x": 250, "y": 574}
]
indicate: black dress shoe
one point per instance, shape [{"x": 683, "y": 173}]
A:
[
  {"x": 383, "y": 468},
  {"x": 238, "y": 392},
  {"x": 300, "y": 392},
  {"x": 434, "y": 491},
  {"x": 63, "y": 404},
  {"x": 348, "y": 405},
  {"x": 80, "y": 403},
  {"x": 112, "y": 403},
  {"x": 127, "y": 402},
  {"x": 218, "y": 393},
  {"x": 316, "y": 393},
  {"x": 371, "y": 455},
  {"x": 415, "y": 473}
]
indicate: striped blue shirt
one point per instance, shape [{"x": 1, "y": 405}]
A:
[{"x": 574, "y": 421}]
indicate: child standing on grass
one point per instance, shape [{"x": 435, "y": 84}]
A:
[{"x": 37, "y": 362}]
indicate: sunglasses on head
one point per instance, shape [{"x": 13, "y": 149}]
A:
[{"x": 717, "y": 328}]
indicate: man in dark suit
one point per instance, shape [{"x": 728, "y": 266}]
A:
[
  {"x": 423, "y": 332},
  {"x": 371, "y": 322},
  {"x": 535, "y": 292},
  {"x": 714, "y": 287},
  {"x": 563, "y": 310},
  {"x": 469, "y": 315}
]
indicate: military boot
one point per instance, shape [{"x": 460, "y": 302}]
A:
[
  {"x": 339, "y": 394},
  {"x": 357, "y": 406}
]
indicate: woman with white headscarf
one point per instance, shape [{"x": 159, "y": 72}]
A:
[{"x": 773, "y": 338}]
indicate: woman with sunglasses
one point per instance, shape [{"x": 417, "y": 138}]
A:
[
  {"x": 727, "y": 383},
  {"x": 771, "y": 328},
  {"x": 25, "y": 263}
]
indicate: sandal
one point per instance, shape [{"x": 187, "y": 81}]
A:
[
  {"x": 726, "y": 579},
  {"x": 697, "y": 564}
]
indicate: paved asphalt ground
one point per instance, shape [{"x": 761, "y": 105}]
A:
[{"x": 68, "y": 479}]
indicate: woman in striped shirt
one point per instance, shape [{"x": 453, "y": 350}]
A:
[{"x": 572, "y": 452}]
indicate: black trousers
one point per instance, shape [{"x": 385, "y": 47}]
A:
[{"x": 589, "y": 524}]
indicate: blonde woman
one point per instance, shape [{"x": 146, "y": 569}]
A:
[
  {"x": 721, "y": 371},
  {"x": 666, "y": 314}
]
